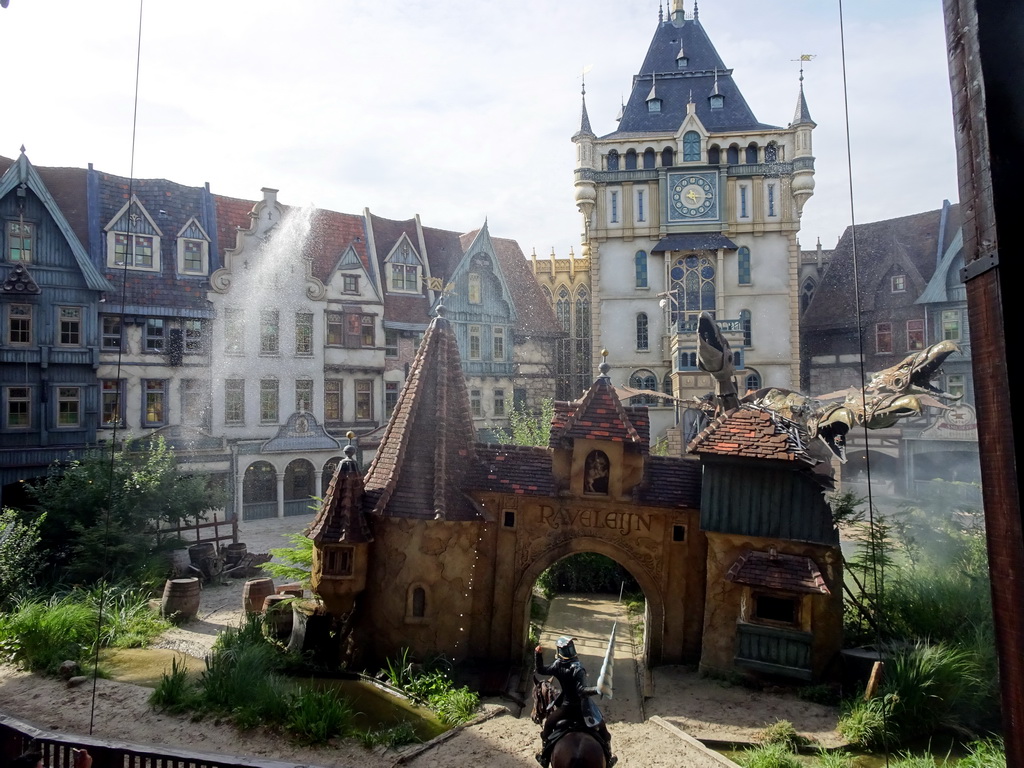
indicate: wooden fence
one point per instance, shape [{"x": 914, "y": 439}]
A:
[
  {"x": 17, "y": 737},
  {"x": 200, "y": 532}
]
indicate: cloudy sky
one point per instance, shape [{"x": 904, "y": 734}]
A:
[{"x": 456, "y": 109}]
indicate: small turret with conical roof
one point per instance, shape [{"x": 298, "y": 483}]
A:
[
  {"x": 586, "y": 192},
  {"x": 803, "y": 156}
]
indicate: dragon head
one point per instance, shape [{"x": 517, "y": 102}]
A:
[
  {"x": 715, "y": 356},
  {"x": 830, "y": 425},
  {"x": 914, "y": 374}
]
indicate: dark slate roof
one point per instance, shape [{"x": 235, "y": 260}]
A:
[
  {"x": 775, "y": 570},
  {"x": 937, "y": 290},
  {"x": 675, "y": 86},
  {"x": 512, "y": 469},
  {"x": 535, "y": 316},
  {"x": 600, "y": 415},
  {"x": 403, "y": 308},
  {"x": 68, "y": 188},
  {"x": 171, "y": 206},
  {"x": 694, "y": 241},
  {"x": 340, "y": 518},
  {"x": 802, "y": 115},
  {"x": 428, "y": 446},
  {"x": 911, "y": 241},
  {"x": 752, "y": 433},
  {"x": 669, "y": 481}
]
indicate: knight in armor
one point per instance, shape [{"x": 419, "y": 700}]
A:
[{"x": 573, "y": 708}]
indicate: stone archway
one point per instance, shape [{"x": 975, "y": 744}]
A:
[{"x": 653, "y": 637}]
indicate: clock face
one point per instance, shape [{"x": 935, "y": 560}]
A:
[{"x": 692, "y": 197}]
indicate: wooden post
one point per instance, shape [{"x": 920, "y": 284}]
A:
[{"x": 874, "y": 680}]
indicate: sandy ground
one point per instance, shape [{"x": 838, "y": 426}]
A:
[{"x": 641, "y": 728}]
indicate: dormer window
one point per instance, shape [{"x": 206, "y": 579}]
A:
[
  {"x": 654, "y": 105},
  {"x": 133, "y": 239},
  {"x": 682, "y": 61},
  {"x": 717, "y": 101},
  {"x": 403, "y": 269},
  {"x": 193, "y": 249}
]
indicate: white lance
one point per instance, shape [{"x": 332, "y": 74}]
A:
[{"x": 604, "y": 680}]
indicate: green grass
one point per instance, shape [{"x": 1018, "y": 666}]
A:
[
  {"x": 431, "y": 684},
  {"x": 395, "y": 736},
  {"x": 314, "y": 716},
  {"x": 837, "y": 759},
  {"x": 989, "y": 753},
  {"x": 769, "y": 756},
  {"x": 781, "y": 732},
  {"x": 175, "y": 692}
]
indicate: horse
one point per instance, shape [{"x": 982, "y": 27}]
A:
[{"x": 577, "y": 749}]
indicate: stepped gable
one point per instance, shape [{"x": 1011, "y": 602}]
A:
[
  {"x": 232, "y": 215},
  {"x": 775, "y": 570},
  {"x": 428, "y": 448},
  {"x": 753, "y": 433},
  {"x": 670, "y": 481},
  {"x": 512, "y": 469},
  {"x": 341, "y": 519},
  {"x": 398, "y": 307},
  {"x": 599, "y": 415}
]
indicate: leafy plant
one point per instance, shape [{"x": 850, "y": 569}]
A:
[
  {"x": 989, "y": 753},
  {"x": 395, "y": 736},
  {"x": 865, "y": 723},
  {"x": 455, "y": 705},
  {"x": 40, "y": 635},
  {"x": 585, "y": 572},
  {"x": 528, "y": 427},
  {"x": 432, "y": 685},
  {"x": 836, "y": 759}
]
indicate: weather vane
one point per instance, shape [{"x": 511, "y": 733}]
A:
[{"x": 804, "y": 57}]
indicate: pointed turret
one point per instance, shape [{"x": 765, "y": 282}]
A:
[
  {"x": 803, "y": 172},
  {"x": 341, "y": 538},
  {"x": 428, "y": 444},
  {"x": 802, "y": 116},
  {"x": 586, "y": 192}
]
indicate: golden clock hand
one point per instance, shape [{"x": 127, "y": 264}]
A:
[{"x": 692, "y": 195}]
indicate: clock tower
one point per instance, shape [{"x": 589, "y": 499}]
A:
[{"x": 691, "y": 204}]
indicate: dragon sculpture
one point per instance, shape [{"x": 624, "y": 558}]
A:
[{"x": 892, "y": 394}]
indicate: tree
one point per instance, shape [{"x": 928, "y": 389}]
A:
[
  {"x": 528, "y": 427},
  {"x": 18, "y": 541},
  {"x": 101, "y": 510}
]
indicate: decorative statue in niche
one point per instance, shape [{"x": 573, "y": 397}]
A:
[{"x": 595, "y": 473}]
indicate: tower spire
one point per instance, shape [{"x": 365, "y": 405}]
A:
[
  {"x": 802, "y": 114},
  {"x": 585, "y": 118}
]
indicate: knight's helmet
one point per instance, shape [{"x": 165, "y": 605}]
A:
[{"x": 565, "y": 648}]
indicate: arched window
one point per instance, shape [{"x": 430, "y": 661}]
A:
[
  {"x": 666, "y": 384},
  {"x": 692, "y": 281},
  {"x": 743, "y": 265},
  {"x": 714, "y": 155},
  {"x": 650, "y": 158},
  {"x": 753, "y": 380},
  {"x": 563, "y": 309},
  {"x": 806, "y": 294},
  {"x": 732, "y": 155},
  {"x": 751, "y": 154},
  {"x": 582, "y": 313},
  {"x": 644, "y": 379},
  {"x": 745, "y": 323},
  {"x": 668, "y": 157},
  {"x": 691, "y": 147},
  {"x": 613, "y": 160},
  {"x": 642, "y": 343},
  {"x": 419, "y": 603},
  {"x": 640, "y": 263},
  {"x": 631, "y": 160},
  {"x": 771, "y": 152}
]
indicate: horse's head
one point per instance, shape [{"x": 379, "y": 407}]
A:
[{"x": 543, "y": 695}]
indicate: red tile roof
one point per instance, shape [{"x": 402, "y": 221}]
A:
[
  {"x": 341, "y": 519},
  {"x": 512, "y": 469},
  {"x": 428, "y": 447},
  {"x": 775, "y": 570},
  {"x": 754, "y": 433},
  {"x": 600, "y": 415}
]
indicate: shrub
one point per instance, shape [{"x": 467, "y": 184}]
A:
[
  {"x": 865, "y": 723},
  {"x": 298, "y": 560},
  {"x": 837, "y": 759},
  {"x": 455, "y": 706},
  {"x": 769, "y": 756},
  {"x": 585, "y": 572},
  {"x": 40, "y": 635},
  {"x": 432, "y": 686},
  {"x": 18, "y": 541}
]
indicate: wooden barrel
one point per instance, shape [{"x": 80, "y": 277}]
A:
[
  {"x": 180, "y": 602},
  {"x": 199, "y": 552},
  {"x": 278, "y": 617},
  {"x": 179, "y": 563},
  {"x": 233, "y": 553},
  {"x": 254, "y": 592},
  {"x": 290, "y": 590}
]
